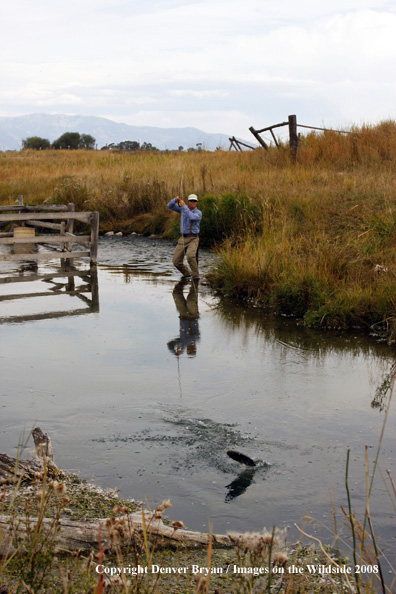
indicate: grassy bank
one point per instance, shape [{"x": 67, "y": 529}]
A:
[
  {"x": 314, "y": 238},
  {"x": 254, "y": 563}
]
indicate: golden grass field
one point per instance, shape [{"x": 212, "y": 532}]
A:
[{"x": 313, "y": 238}]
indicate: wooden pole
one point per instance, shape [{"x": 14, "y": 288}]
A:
[
  {"x": 94, "y": 236},
  {"x": 94, "y": 286},
  {"x": 274, "y": 137},
  {"x": 70, "y": 222},
  {"x": 234, "y": 144},
  {"x": 258, "y": 138},
  {"x": 293, "y": 137}
]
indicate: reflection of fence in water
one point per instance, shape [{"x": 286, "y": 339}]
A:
[{"x": 65, "y": 281}]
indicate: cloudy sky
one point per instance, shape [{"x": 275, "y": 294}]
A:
[{"x": 218, "y": 65}]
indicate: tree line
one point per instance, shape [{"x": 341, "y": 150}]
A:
[
  {"x": 129, "y": 145},
  {"x": 68, "y": 140},
  {"x": 75, "y": 140}
]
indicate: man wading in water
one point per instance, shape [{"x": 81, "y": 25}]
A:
[{"x": 189, "y": 235}]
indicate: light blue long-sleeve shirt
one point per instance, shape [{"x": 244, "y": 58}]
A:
[{"x": 190, "y": 219}]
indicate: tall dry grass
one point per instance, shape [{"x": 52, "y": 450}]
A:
[{"x": 313, "y": 238}]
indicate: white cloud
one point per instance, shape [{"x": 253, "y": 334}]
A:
[
  {"x": 198, "y": 94},
  {"x": 185, "y": 60}
]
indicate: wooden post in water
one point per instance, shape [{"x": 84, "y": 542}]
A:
[
  {"x": 94, "y": 236},
  {"x": 70, "y": 223}
]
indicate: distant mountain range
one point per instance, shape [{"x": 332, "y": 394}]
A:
[{"x": 14, "y": 130}]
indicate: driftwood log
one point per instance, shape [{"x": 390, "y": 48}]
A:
[
  {"x": 13, "y": 470},
  {"x": 83, "y": 535}
]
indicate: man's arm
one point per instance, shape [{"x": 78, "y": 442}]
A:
[{"x": 174, "y": 204}]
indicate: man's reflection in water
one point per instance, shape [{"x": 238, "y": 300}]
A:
[{"x": 188, "y": 316}]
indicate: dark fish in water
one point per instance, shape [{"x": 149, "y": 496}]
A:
[{"x": 241, "y": 458}]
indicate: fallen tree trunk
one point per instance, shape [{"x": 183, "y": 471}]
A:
[{"x": 73, "y": 535}]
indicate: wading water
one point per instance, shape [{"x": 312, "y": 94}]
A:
[{"x": 147, "y": 389}]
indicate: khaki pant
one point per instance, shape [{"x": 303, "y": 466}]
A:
[{"x": 187, "y": 246}]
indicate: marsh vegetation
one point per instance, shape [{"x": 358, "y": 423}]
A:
[{"x": 314, "y": 238}]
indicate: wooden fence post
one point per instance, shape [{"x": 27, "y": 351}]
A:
[
  {"x": 70, "y": 222},
  {"x": 258, "y": 138},
  {"x": 94, "y": 236},
  {"x": 293, "y": 137}
]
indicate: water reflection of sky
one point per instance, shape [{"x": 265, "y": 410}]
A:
[{"x": 123, "y": 408}]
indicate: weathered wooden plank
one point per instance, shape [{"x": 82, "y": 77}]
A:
[
  {"x": 37, "y": 208},
  {"x": 44, "y": 256},
  {"x": 273, "y": 126},
  {"x": 70, "y": 222},
  {"x": 82, "y": 239},
  {"x": 49, "y": 293},
  {"x": 43, "y": 224},
  {"x": 83, "y": 298},
  {"x": 83, "y": 217},
  {"x": 48, "y": 207},
  {"x": 43, "y": 277},
  {"x": 239, "y": 142},
  {"x": 258, "y": 138},
  {"x": 50, "y": 316}
]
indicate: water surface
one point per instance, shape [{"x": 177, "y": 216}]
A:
[{"x": 143, "y": 383}]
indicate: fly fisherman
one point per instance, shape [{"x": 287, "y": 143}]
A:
[{"x": 189, "y": 235}]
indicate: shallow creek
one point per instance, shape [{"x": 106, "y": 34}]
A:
[{"x": 143, "y": 383}]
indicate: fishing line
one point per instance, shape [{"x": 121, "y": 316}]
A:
[
  {"x": 181, "y": 214},
  {"x": 179, "y": 377}
]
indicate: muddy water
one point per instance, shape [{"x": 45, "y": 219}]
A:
[{"x": 143, "y": 383}]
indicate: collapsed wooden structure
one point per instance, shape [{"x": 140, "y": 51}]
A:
[
  {"x": 294, "y": 137},
  {"x": 59, "y": 219},
  {"x": 238, "y": 144},
  {"x": 25, "y": 225}
]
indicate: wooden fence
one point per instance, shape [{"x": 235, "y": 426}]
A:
[
  {"x": 68, "y": 280},
  {"x": 59, "y": 220},
  {"x": 294, "y": 137},
  {"x": 237, "y": 144}
]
